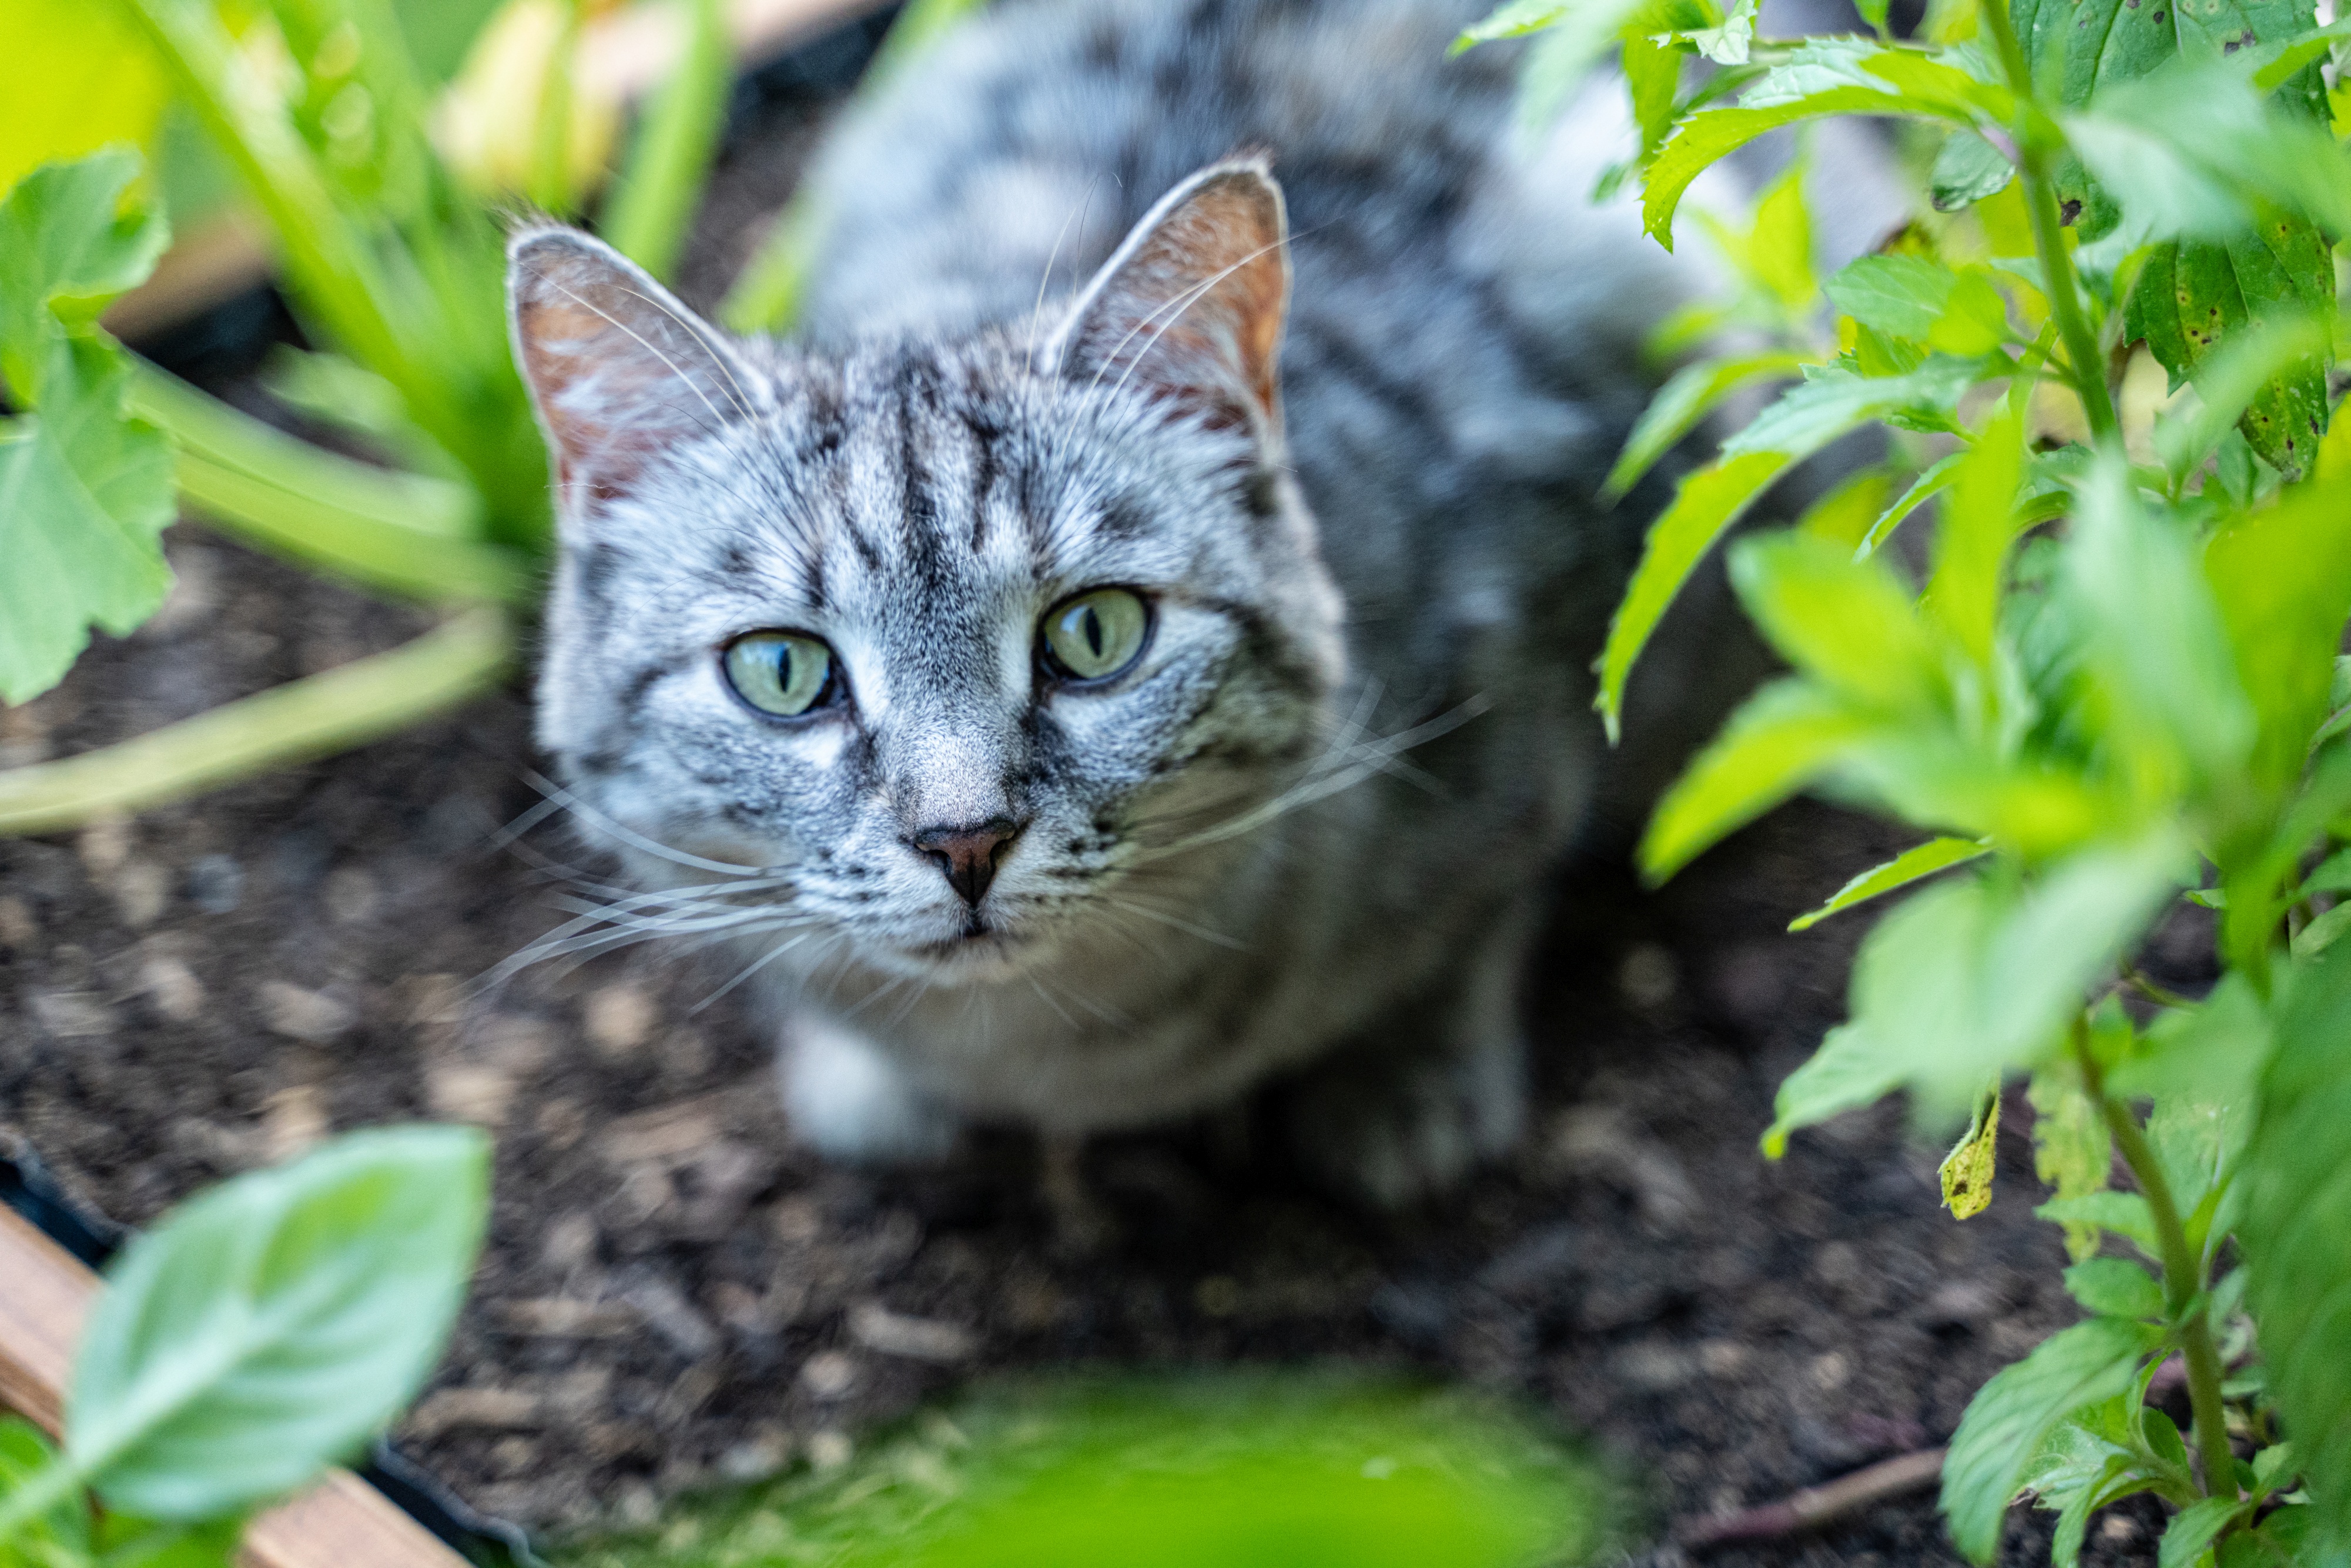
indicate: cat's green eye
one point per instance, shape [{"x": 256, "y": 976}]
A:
[
  {"x": 779, "y": 673},
  {"x": 1095, "y": 635}
]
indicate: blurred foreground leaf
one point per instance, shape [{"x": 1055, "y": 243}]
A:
[{"x": 1207, "y": 1470}]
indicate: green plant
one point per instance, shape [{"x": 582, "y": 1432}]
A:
[
  {"x": 265, "y": 1329},
  {"x": 396, "y": 271},
  {"x": 2110, "y": 678},
  {"x": 1302, "y": 1468}
]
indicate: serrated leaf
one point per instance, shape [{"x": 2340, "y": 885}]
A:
[
  {"x": 1831, "y": 401},
  {"x": 1911, "y": 865},
  {"x": 2072, "y": 1148},
  {"x": 65, "y": 251},
  {"x": 2124, "y": 1213},
  {"x": 1690, "y": 395},
  {"x": 273, "y": 1324},
  {"x": 1974, "y": 977},
  {"x": 2115, "y": 1288},
  {"x": 1784, "y": 737},
  {"x": 1823, "y": 77},
  {"x": 1899, "y": 295},
  {"x": 2297, "y": 1183},
  {"x": 1966, "y": 1171},
  {"x": 84, "y": 492},
  {"x": 2010, "y": 1416},
  {"x": 2189, "y": 1535},
  {"x": 1726, "y": 45},
  {"x": 1707, "y": 503},
  {"x": 2087, "y": 1461},
  {"x": 1967, "y": 169}
]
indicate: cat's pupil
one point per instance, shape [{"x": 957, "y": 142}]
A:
[{"x": 1093, "y": 630}]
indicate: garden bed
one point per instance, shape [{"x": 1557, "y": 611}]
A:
[{"x": 673, "y": 1296}]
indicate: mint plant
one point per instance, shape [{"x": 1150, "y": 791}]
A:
[
  {"x": 2113, "y": 680},
  {"x": 265, "y": 1329}
]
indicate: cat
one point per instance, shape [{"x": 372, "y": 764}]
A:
[{"x": 1133, "y": 643}]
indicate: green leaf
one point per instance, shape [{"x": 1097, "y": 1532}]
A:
[
  {"x": 2283, "y": 581},
  {"x": 2189, "y": 1536},
  {"x": 272, "y": 1323},
  {"x": 58, "y": 1536},
  {"x": 2089, "y": 1460},
  {"x": 1922, "y": 489},
  {"x": 1900, "y": 296},
  {"x": 1971, "y": 539},
  {"x": 84, "y": 492},
  {"x": 67, "y": 247},
  {"x": 2323, "y": 932},
  {"x": 1973, "y": 978},
  {"x": 2213, "y": 1052},
  {"x": 647, "y": 218},
  {"x": 2195, "y": 300},
  {"x": 1847, "y": 624},
  {"x": 1706, "y": 504},
  {"x": 2010, "y": 1416},
  {"x": 1786, "y": 736},
  {"x": 1966, "y": 1171},
  {"x": 2166, "y": 690},
  {"x": 1512, "y": 19},
  {"x": 1831, "y": 401},
  {"x": 1726, "y": 45},
  {"x": 1693, "y": 392},
  {"x": 2124, "y": 1213},
  {"x": 2072, "y": 1149},
  {"x": 1780, "y": 248},
  {"x": 2115, "y": 1288},
  {"x": 1823, "y": 77},
  {"x": 1967, "y": 169},
  {"x": 2297, "y": 1212},
  {"x": 1848, "y": 509},
  {"x": 1911, "y": 865}
]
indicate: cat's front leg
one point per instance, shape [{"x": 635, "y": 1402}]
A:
[
  {"x": 849, "y": 1102},
  {"x": 1403, "y": 1112}
]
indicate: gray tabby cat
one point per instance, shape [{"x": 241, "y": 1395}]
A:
[{"x": 1081, "y": 709}]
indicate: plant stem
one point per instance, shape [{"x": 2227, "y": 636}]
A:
[
  {"x": 2183, "y": 1277},
  {"x": 2033, "y": 135},
  {"x": 310, "y": 717}
]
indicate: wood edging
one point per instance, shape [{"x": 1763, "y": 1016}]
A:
[{"x": 45, "y": 1296}]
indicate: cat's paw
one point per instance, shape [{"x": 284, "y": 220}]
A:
[
  {"x": 850, "y": 1103},
  {"x": 1396, "y": 1128}
]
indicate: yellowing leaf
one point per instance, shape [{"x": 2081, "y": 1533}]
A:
[
  {"x": 2071, "y": 1150},
  {"x": 1966, "y": 1171},
  {"x": 74, "y": 78}
]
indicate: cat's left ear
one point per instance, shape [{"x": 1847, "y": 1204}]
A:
[
  {"x": 619, "y": 371},
  {"x": 1191, "y": 306}
]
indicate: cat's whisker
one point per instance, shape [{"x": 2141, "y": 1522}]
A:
[
  {"x": 629, "y": 836},
  {"x": 1036, "y": 316},
  {"x": 761, "y": 962},
  {"x": 1364, "y": 761},
  {"x": 1188, "y": 927}
]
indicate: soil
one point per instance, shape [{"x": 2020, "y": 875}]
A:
[{"x": 673, "y": 1294}]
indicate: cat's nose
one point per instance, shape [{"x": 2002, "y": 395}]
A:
[{"x": 969, "y": 855}]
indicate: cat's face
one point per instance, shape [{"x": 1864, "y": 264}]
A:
[{"x": 980, "y": 649}]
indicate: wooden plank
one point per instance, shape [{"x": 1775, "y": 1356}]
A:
[{"x": 45, "y": 1296}]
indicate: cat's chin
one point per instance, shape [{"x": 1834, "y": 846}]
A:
[{"x": 971, "y": 958}]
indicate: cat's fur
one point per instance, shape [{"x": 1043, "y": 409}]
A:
[{"x": 1315, "y": 826}]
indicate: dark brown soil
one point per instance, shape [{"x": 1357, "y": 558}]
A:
[{"x": 673, "y": 1294}]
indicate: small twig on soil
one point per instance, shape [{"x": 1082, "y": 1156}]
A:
[{"x": 1815, "y": 1506}]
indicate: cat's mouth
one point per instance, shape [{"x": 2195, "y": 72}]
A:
[{"x": 980, "y": 948}]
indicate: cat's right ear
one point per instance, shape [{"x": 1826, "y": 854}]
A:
[{"x": 618, "y": 370}]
